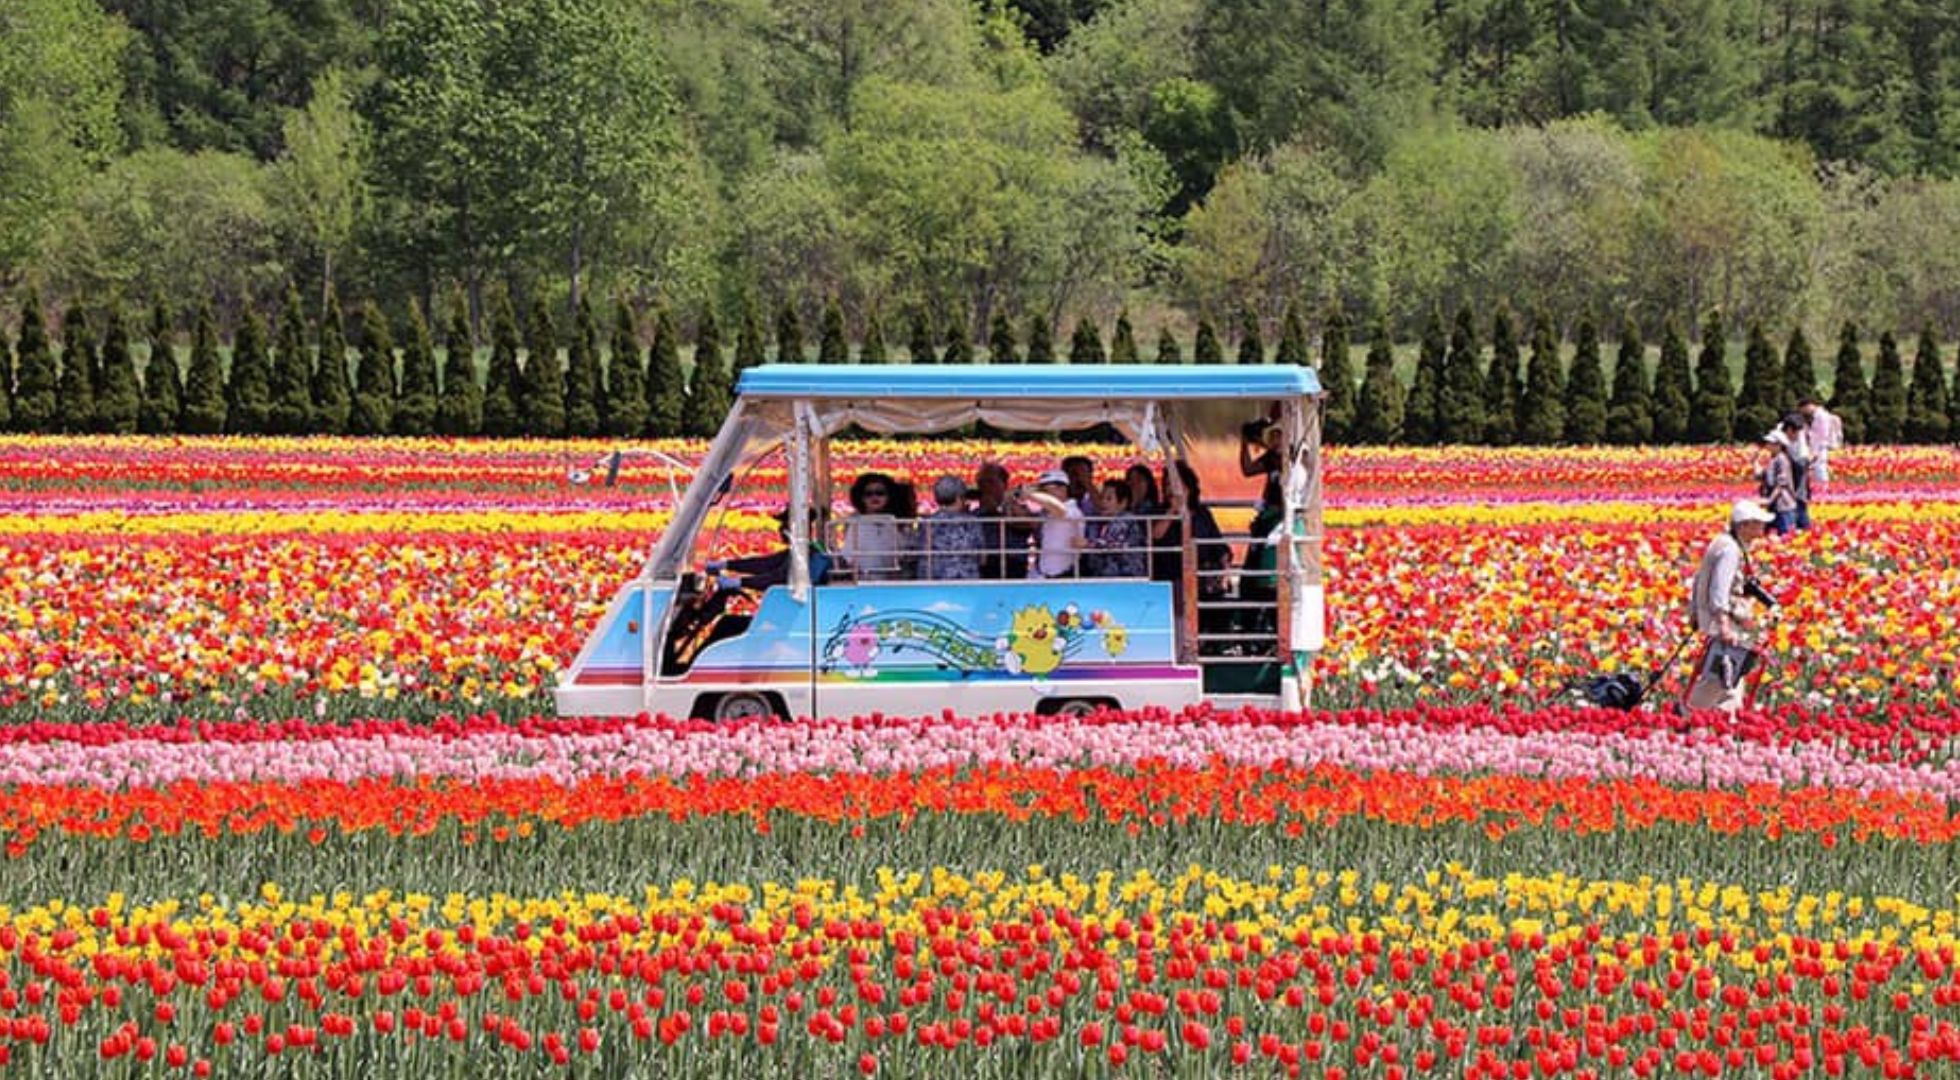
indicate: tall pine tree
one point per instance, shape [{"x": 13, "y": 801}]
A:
[
  {"x": 1252, "y": 347},
  {"x": 78, "y": 366},
  {"x": 1630, "y": 413},
  {"x": 710, "y": 392},
  {"x": 415, "y": 410},
  {"x": 832, "y": 346},
  {"x": 872, "y": 349},
  {"x": 248, "y": 389},
  {"x": 333, "y": 391},
  {"x": 543, "y": 402},
  {"x": 1206, "y": 348},
  {"x": 118, "y": 397},
  {"x": 1885, "y": 417},
  {"x": 626, "y": 377},
  {"x": 1000, "y": 341},
  {"x": 503, "y": 389},
  {"x": 1926, "y": 398},
  {"x": 6, "y": 381},
  {"x": 582, "y": 373},
  {"x": 291, "y": 411},
  {"x": 1674, "y": 387},
  {"x": 1503, "y": 381},
  {"x": 1378, "y": 410},
  {"x": 1421, "y": 422},
  {"x": 1041, "y": 340},
  {"x": 919, "y": 344},
  {"x": 204, "y": 385},
  {"x": 1338, "y": 408},
  {"x": 1292, "y": 339},
  {"x": 163, "y": 380},
  {"x": 789, "y": 334},
  {"x": 37, "y": 401},
  {"x": 1799, "y": 373},
  {"x": 666, "y": 382},
  {"x": 1711, "y": 416},
  {"x": 1085, "y": 345},
  {"x": 1168, "y": 350},
  {"x": 959, "y": 342},
  {"x": 459, "y": 410},
  {"x": 1759, "y": 406},
  {"x": 1541, "y": 407},
  {"x": 374, "y": 375},
  {"x": 1460, "y": 407},
  {"x": 748, "y": 342},
  {"x": 1850, "y": 393},
  {"x": 1123, "y": 346},
  {"x": 1585, "y": 389}
]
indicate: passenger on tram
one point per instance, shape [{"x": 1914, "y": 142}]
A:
[{"x": 874, "y": 539}]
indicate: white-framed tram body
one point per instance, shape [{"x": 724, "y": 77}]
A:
[{"x": 836, "y": 647}]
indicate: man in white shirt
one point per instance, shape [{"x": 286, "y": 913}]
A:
[
  {"x": 1719, "y": 583},
  {"x": 1825, "y": 434},
  {"x": 1061, "y": 526}
]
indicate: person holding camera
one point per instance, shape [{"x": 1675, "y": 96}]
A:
[
  {"x": 1727, "y": 659},
  {"x": 1259, "y": 442}
]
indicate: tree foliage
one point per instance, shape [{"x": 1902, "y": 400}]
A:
[
  {"x": 459, "y": 410},
  {"x": 248, "y": 387},
  {"x": 1378, "y": 411},
  {"x": 503, "y": 390},
  {"x": 1630, "y": 411},
  {"x": 1711, "y": 413},
  {"x": 1086, "y": 345},
  {"x": 291, "y": 410},
  {"x": 1850, "y": 392},
  {"x": 626, "y": 376},
  {"x": 78, "y": 366},
  {"x": 666, "y": 382},
  {"x": 1339, "y": 408},
  {"x": 1503, "y": 382},
  {"x": 1674, "y": 387},
  {"x": 1585, "y": 388},
  {"x": 1926, "y": 413},
  {"x": 204, "y": 383},
  {"x": 1885, "y": 415},
  {"x": 374, "y": 376},
  {"x": 118, "y": 396},
  {"x": 582, "y": 387},
  {"x": 1541, "y": 407},
  {"x": 710, "y": 391},
  {"x": 1761, "y": 403},
  {"x": 333, "y": 389},
  {"x": 415, "y": 408},
  {"x": 163, "y": 379}
]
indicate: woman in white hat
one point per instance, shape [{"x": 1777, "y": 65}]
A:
[
  {"x": 1721, "y": 580},
  {"x": 1061, "y": 527}
]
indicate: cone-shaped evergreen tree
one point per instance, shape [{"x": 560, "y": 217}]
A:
[
  {"x": 1885, "y": 416},
  {"x": 1711, "y": 416},
  {"x": 582, "y": 374},
  {"x": 1630, "y": 413},
  {"x": 749, "y": 345},
  {"x": 118, "y": 396},
  {"x": 1292, "y": 339},
  {"x": 789, "y": 334},
  {"x": 504, "y": 388},
  {"x": 1168, "y": 350},
  {"x": 374, "y": 377},
  {"x": 1953, "y": 403},
  {"x": 1338, "y": 409},
  {"x": 333, "y": 390},
  {"x": 543, "y": 402},
  {"x": 1000, "y": 341},
  {"x": 459, "y": 410},
  {"x": 1541, "y": 407},
  {"x": 37, "y": 400},
  {"x": 1123, "y": 346},
  {"x": 1799, "y": 373},
  {"x": 78, "y": 366},
  {"x": 1085, "y": 346},
  {"x": 248, "y": 389},
  {"x": 1585, "y": 389},
  {"x": 710, "y": 392},
  {"x": 1252, "y": 347},
  {"x": 872, "y": 349},
  {"x": 1421, "y": 422},
  {"x": 1674, "y": 387},
  {"x": 6, "y": 381},
  {"x": 1760, "y": 404},
  {"x": 1460, "y": 410},
  {"x": 415, "y": 409},
  {"x": 1850, "y": 393},
  {"x": 666, "y": 382},
  {"x": 919, "y": 345},
  {"x": 1041, "y": 340},
  {"x": 959, "y": 342},
  {"x": 204, "y": 385},
  {"x": 1926, "y": 398},
  {"x": 291, "y": 411},
  {"x": 1503, "y": 381},
  {"x": 626, "y": 377},
  {"x": 1206, "y": 349},
  {"x": 163, "y": 380},
  {"x": 832, "y": 346},
  {"x": 1378, "y": 411}
]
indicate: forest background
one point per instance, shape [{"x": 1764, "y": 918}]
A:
[{"x": 966, "y": 166}]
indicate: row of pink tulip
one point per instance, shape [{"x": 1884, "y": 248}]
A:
[{"x": 1355, "y": 741}]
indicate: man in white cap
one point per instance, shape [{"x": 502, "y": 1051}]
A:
[
  {"x": 1721, "y": 580},
  {"x": 1061, "y": 527}
]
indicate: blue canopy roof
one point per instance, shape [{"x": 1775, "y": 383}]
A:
[{"x": 1144, "y": 382}]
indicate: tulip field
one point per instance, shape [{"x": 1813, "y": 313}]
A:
[{"x": 282, "y": 795}]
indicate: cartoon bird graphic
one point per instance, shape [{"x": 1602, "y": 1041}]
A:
[{"x": 1034, "y": 645}]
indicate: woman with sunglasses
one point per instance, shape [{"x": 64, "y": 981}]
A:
[{"x": 874, "y": 540}]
